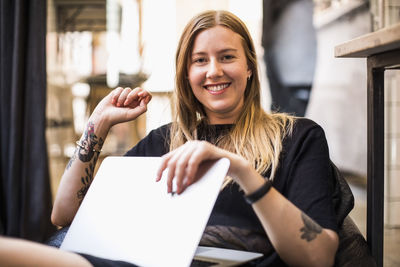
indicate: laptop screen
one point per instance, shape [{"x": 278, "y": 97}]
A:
[{"x": 126, "y": 215}]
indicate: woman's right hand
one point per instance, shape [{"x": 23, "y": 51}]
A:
[{"x": 122, "y": 105}]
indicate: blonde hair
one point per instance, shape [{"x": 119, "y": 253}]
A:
[{"x": 257, "y": 136}]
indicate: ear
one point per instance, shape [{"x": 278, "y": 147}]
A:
[{"x": 249, "y": 73}]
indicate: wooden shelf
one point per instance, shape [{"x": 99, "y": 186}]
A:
[{"x": 373, "y": 43}]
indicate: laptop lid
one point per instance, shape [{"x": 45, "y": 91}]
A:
[{"x": 127, "y": 216}]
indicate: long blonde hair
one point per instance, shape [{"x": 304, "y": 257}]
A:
[{"x": 257, "y": 136}]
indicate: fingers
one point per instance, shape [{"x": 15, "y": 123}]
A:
[
  {"x": 146, "y": 96},
  {"x": 167, "y": 162},
  {"x": 133, "y": 96},
  {"x": 126, "y": 97},
  {"x": 183, "y": 163},
  {"x": 115, "y": 94},
  {"x": 122, "y": 97},
  {"x": 177, "y": 168}
]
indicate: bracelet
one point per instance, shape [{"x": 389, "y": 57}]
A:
[
  {"x": 259, "y": 193},
  {"x": 82, "y": 147}
]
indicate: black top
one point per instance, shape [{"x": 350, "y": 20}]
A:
[{"x": 304, "y": 177}]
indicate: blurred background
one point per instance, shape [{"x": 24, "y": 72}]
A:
[{"x": 96, "y": 45}]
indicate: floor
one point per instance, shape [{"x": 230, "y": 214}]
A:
[{"x": 359, "y": 214}]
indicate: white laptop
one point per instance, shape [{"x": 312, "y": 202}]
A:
[{"x": 128, "y": 216}]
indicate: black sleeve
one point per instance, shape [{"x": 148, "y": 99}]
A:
[
  {"x": 155, "y": 144},
  {"x": 305, "y": 176}
]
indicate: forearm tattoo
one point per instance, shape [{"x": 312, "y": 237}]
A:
[
  {"x": 86, "y": 153},
  {"x": 71, "y": 160},
  {"x": 86, "y": 180},
  {"x": 310, "y": 230},
  {"x": 86, "y": 150}
]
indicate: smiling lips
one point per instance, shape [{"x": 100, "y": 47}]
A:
[{"x": 216, "y": 88}]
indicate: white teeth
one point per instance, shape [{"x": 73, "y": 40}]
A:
[{"x": 218, "y": 87}]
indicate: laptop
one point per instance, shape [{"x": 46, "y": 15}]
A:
[{"x": 127, "y": 216}]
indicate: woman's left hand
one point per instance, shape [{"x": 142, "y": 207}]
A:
[{"x": 183, "y": 163}]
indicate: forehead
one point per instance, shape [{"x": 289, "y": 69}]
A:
[{"x": 217, "y": 38}]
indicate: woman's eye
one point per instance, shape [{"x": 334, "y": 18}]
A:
[
  {"x": 227, "y": 57},
  {"x": 199, "y": 60}
]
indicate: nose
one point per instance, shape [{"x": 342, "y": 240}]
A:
[{"x": 214, "y": 69}]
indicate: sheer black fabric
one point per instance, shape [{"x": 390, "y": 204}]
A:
[{"x": 25, "y": 196}]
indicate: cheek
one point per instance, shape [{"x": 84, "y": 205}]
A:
[
  {"x": 195, "y": 76},
  {"x": 198, "y": 95},
  {"x": 244, "y": 76},
  {"x": 236, "y": 71},
  {"x": 197, "y": 91}
]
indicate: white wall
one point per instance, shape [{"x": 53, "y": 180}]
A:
[{"x": 339, "y": 96}]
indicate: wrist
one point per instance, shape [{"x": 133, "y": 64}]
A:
[
  {"x": 101, "y": 124},
  {"x": 245, "y": 175},
  {"x": 239, "y": 167},
  {"x": 91, "y": 141},
  {"x": 256, "y": 195}
]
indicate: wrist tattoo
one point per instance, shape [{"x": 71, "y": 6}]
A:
[
  {"x": 86, "y": 149},
  {"x": 310, "y": 230}
]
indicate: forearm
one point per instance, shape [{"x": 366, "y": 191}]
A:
[
  {"x": 18, "y": 252},
  {"x": 297, "y": 239},
  {"x": 78, "y": 174},
  {"x": 120, "y": 105}
]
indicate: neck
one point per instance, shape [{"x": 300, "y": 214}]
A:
[{"x": 222, "y": 119}]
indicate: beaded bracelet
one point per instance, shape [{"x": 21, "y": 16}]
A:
[
  {"x": 82, "y": 147},
  {"x": 259, "y": 193}
]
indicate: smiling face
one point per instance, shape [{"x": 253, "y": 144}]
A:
[{"x": 218, "y": 72}]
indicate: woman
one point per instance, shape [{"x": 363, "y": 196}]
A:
[{"x": 277, "y": 197}]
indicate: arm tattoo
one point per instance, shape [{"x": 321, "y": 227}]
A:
[
  {"x": 310, "y": 229},
  {"x": 89, "y": 141},
  {"x": 86, "y": 153},
  {"x": 87, "y": 179},
  {"x": 72, "y": 159}
]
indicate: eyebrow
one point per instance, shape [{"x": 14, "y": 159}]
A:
[{"x": 219, "y": 52}]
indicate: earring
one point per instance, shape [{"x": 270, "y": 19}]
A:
[{"x": 248, "y": 77}]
